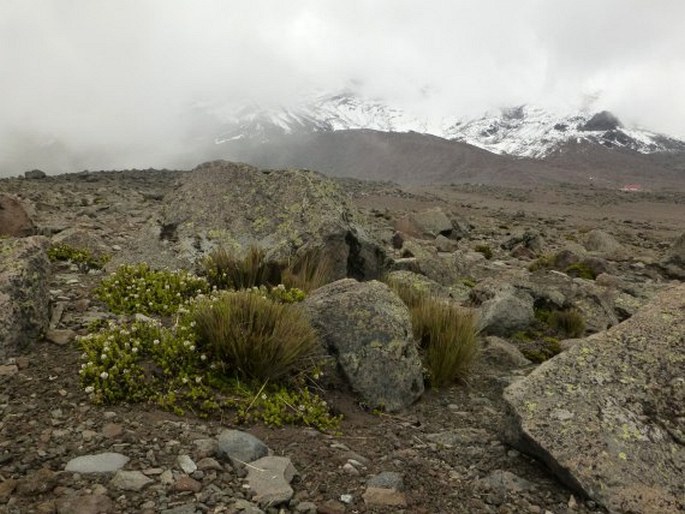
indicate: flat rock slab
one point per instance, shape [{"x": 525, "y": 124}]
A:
[
  {"x": 108, "y": 462},
  {"x": 607, "y": 415},
  {"x": 269, "y": 478},
  {"x": 130, "y": 480}
]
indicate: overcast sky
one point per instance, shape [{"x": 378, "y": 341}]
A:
[{"x": 119, "y": 83}]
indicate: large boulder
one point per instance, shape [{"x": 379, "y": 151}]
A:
[
  {"x": 427, "y": 224},
  {"x": 673, "y": 265},
  {"x": 607, "y": 416},
  {"x": 14, "y": 220},
  {"x": 605, "y": 245},
  {"x": 503, "y": 309},
  {"x": 236, "y": 206},
  {"x": 367, "y": 328},
  {"x": 24, "y": 298}
]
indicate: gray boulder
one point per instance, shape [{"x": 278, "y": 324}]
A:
[
  {"x": 426, "y": 224},
  {"x": 24, "y": 298},
  {"x": 605, "y": 245},
  {"x": 607, "y": 417},
  {"x": 269, "y": 479},
  {"x": 240, "y": 447},
  {"x": 367, "y": 328},
  {"x": 14, "y": 219},
  {"x": 236, "y": 206},
  {"x": 673, "y": 265},
  {"x": 34, "y": 174},
  {"x": 503, "y": 309}
]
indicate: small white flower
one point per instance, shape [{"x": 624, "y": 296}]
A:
[
  {"x": 134, "y": 349},
  {"x": 203, "y": 357},
  {"x": 263, "y": 396},
  {"x": 191, "y": 348},
  {"x": 89, "y": 389},
  {"x": 184, "y": 380},
  {"x": 104, "y": 375},
  {"x": 103, "y": 356},
  {"x": 198, "y": 379},
  {"x": 155, "y": 342}
]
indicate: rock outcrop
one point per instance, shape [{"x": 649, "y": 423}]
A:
[
  {"x": 607, "y": 415},
  {"x": 673, "y": 265},
  {"x": 236, "y": 206},
  {"x": 14, "y": 220},
  {"x": 24, "y": 299},
  {"x": 367, "y": 328}
]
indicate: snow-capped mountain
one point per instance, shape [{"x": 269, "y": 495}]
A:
[{"x": 524, "y": 131}]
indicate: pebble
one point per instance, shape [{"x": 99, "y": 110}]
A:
[
  {"x": 186, "y": 464},
  {"x": 240, "y": 447},
  {"x": 130, "y": 480},
  {"x": 269, "y": 479}
]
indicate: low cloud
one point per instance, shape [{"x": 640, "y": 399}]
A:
[{"x": 137, "y": 83}]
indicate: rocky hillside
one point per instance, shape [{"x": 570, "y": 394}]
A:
[{"x": 579, "y": 300}]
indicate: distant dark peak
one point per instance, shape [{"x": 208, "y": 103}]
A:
[
  {"x": 561, "y": 127},
  {"x": 513, "y": 113},
  {"x": 602, "y": 121}
]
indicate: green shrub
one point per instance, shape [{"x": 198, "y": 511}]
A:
[
  {"x": 224, "y": 270},
  {"x": 569, "y": 322},
  {"x": 485, "y": 250},
  {"x": 146, "y": 362},
  {"x": 448, "y": 338},
  {"x": 580, "y": 270},
  {"x": 253, "y": 337},
  {"x": 541, "y": 350},
  {"x": 543, "y": 262},
  {"x": 82, "y": 257},
  {"x": 138, "y": 289}
]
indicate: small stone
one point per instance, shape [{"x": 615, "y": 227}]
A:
[
  {"x": 107, "y": 462},
  {"x": 185, "y": 483},
  {"x": 186, "y": 464},
  {"x": 22, "y": 362},
  {"x": 60, "y": 337},
  {"x": 39, "y": 482},
  {"x": 269, "y": 478},
  {"x": 167, "y": 477},
  {"x": 6, "y": 489},
  {"x": 130, "y": 480},
  {"x": 306, "y": 508},
  {"x": 383, "y": 496},
  {"x": 245, "y": 507},
  {"x": 386, "y": 480},
  {"x": 87, "y": 504},
  {"x": 331, "y": 507},
  {"x": 208, "y": 464},
  {"x": 112, "y": 430},
  {"x": 188, "y": 508},
  {"x": 205, "y": 448},
  {"x": 88, "y": 435},
  {"x": 240, "y": 447},
  {"x": 350, "y": 469},
  {"x": 153, "y": 471},
  {"x": 346, "y": 498},
  {"x": 9, "y": 369}
]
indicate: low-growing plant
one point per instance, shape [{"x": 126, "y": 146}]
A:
[
  {"x": 569, "y": 322},
  {"x": 469, "y": 282},
  {"x": 448, "y": 338},
  {"x": 146, "y": 362},
  {"x": 580, "y": 270},
  {"x": 543, "y": 262},
  {"x": 253, "y": 337},
  {"x": 485, "y": 250},
  {"x": 82, "y": 257},
  {"x": 137, "y": 288},
  {"x": 542, "y": 349}
]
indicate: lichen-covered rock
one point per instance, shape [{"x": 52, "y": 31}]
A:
[
  {"x": 367, "y": 328},
  {"x": 605, "y": 245},
  {"x": 14, "y": 219},
  {"x": 607, "y": 416},
  {"x": 503, "y": 309},
  {"x": 673, "y": 265},
  {"x": 24, "y": 299},
  {"x": 429, "y": 223},
  {"x": 236, "y": 206}
]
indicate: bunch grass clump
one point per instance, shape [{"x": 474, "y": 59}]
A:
[
  {"x": 568, "y": 322},
  {"x": 84, "y": 259},
  {"x": 253, "y": 337},
  {"x": 448, "y": 336},
  {"x": 136, "y": 288},
  {"x": 485, "y": 250},
  {"x": 309, "y": 272},
  {"x": 225, "y": 270}
]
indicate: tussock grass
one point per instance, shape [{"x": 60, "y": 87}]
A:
[
  {"x": 449, "y": 339},
  {"x": 313, "y": 270},
  {"x": 570, "y": 322},
  {"x": 227, "y": 271},
  {"x": 255, "y": 338}
]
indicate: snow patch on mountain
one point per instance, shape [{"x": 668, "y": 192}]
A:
[{"x": 525, "y": 131}]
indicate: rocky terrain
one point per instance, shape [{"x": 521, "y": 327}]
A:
[{"x": 598, "y": 427}]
